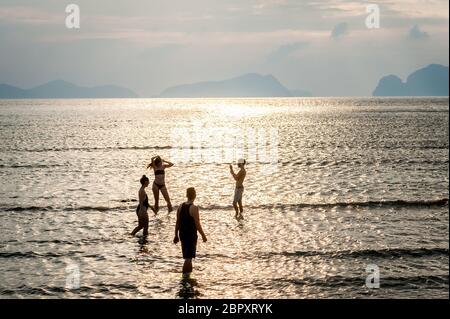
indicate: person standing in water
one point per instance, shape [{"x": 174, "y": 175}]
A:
[
  {"x": 159, "y": 165},
  {"x": 239, "y": 190},
  {"x": 142, "y": 208},
  {"x": 186, "y": 227}
]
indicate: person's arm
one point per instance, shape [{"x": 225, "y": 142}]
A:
[
  {"x": 169, "y": 164},
  {"x": 141, "y": 202},
  {"x": 198, "y": 225},
  {"x": 152, "y": 162},
  {"x": 177, "y": 227},
  {"x": 232, "y": 173}
]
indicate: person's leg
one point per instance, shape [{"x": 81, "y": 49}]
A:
[
  {"x": 236, "y": 208},
  {"x": 138, "y": 228},
  {"x": 145, "y": 225},
  {"x": 235, "y": 201},
  {"x": 241, "y": 209},
  {"x": 167, "y": 198},
  {"x": 187, "y": 266},
  {"x": 155, "y": 190}
]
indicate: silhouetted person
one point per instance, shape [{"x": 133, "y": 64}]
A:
[
  {"x": 187, "y": 225},
  {"x": 142, "y": 208},
  {"x": 159, "y": 165},
  {"x": 239, "y": 190}
]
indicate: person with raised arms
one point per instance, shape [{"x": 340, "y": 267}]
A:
[
  {"x": 239, "y": 189},
  {"x": 159, "y": 166}
]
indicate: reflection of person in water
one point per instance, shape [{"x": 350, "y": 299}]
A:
[
  {"x": 187, "y": 225},
  {"x": 188, "y": 288},
  {"x": 239, "y": 190},
  {"x": 159, "y": 165},
  {"x": 142, "y": 208}
]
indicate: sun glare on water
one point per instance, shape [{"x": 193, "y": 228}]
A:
[{"x": 237, "y": 108}]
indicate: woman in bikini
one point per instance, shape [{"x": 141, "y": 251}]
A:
[
  {"x": 159, "y": 165},
  {"x": 142, "y": 208}
]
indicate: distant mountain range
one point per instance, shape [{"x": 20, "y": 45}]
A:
[
  {"x": 428, "y": 81},
  {"x": 60, "y": 89},
  {"x": 431, "y": 80},
  {"x": 248, "y": 85}
]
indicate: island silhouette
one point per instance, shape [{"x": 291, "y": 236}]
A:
[
  {"x": 60, "y": 89},
  {"x": 247, "y": 85},
  {"x": 431, "y": 80}
]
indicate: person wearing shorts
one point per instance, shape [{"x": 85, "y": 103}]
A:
[
  {"x": 186, "y": 227},
  {"x": 239, "y": 189}
]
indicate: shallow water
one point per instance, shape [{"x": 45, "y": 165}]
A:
[{"x": 355, "y": 182}]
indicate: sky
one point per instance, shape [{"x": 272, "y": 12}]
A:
[{"x": 324, "y": 46}]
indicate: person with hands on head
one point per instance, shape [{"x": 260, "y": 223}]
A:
[{"x": 159, "y": 185}]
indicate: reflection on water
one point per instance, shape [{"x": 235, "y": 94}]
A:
[
  {"x": 188, "y": 289},
  {"x": 358, "y": 182},
  {"x": 143, "y": 249}
]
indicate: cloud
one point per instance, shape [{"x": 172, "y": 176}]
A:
[
  {"x": 339, "y": 30},
  {"x": 152, "y": 39},
  {"x": 28, "y": 16},
  {"x": 285, "y": 50},
  {"x": 416, "y": 33},
  {"x": 149, "y": 45},
  {"x": 434, "y": 9}
]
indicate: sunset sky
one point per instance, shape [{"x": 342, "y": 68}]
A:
[{"x": 147, "y": 46}]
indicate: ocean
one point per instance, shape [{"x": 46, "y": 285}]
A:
[{"x": 344, "y": 197}]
